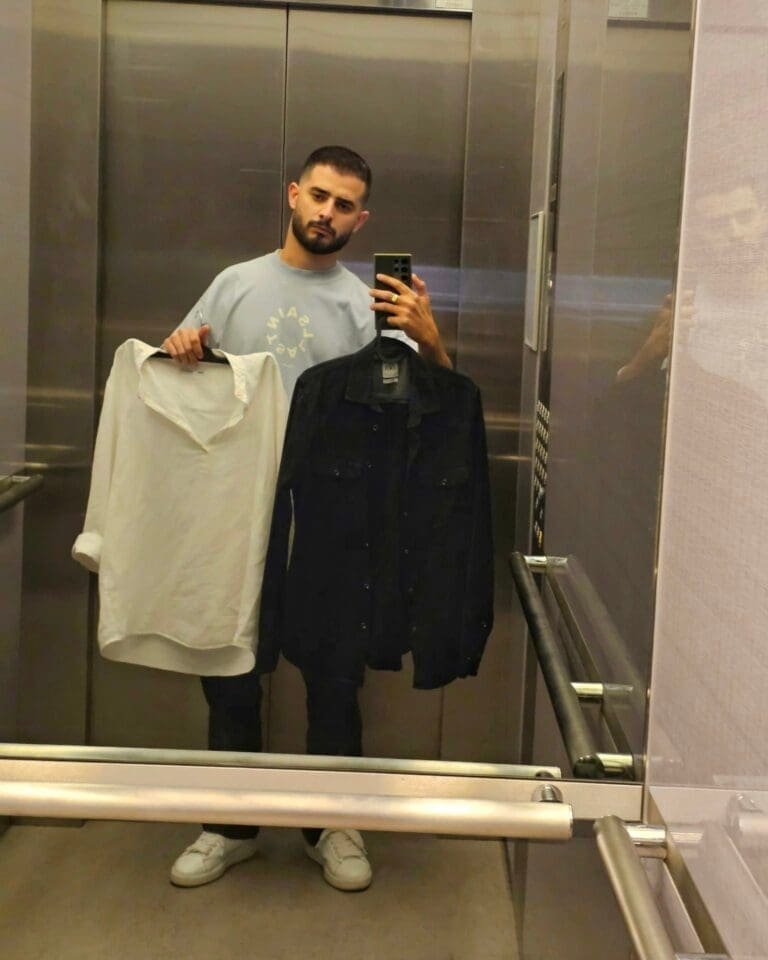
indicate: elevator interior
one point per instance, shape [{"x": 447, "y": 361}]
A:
[
  {"x": 190, "y": 179},
  {"x": 163, "y": 135}
]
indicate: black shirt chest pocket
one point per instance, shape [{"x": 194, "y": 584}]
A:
[
  {"x": 336, "y": 497},
  {"x": 444, "y": 492}
]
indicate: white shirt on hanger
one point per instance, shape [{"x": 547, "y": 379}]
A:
[{"x": 179, "y": 511}]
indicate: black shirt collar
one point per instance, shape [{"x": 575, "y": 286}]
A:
[{"x": 423, "y": 396}]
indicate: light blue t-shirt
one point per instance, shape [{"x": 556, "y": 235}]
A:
[{"x": 301, "y": 317}]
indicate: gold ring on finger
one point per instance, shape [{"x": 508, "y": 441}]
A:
[{"x": 394, "y": 298}]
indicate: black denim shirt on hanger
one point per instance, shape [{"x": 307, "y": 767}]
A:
[{"x": 391, "y": 548}]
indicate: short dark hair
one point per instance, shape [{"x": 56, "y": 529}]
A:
[{"x": 342, "y": 159}]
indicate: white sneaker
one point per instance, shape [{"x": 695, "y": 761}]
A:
[
  {"x": 208, "y": 857},
  {"x": 344, "y": 859}
]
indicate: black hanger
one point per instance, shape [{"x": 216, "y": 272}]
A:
[{"x": 208, "y": 356}]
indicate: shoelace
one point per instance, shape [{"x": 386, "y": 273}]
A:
[{"x": 344, "y": 846}]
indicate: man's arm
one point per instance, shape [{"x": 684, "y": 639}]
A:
[
  {"x": 412, "y": 313},
  {"x": 656, "y": 347},
  {"x": 205, "y": 321}
]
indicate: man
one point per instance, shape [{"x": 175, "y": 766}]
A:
[{"x": 304, "y": 307}]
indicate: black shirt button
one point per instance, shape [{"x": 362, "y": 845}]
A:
[
  {"x": 413, "y": 628},
  {"x": 369, "y": 464},
  {"x": 363, "y": 625},
  {"x": 444, "y": 482},
  {"x": 405, "y": 514},
  {"x": 483, "y": 624},
  {"x": 337, "y": 472},
  {"x": 409, "y": 591},
  {"x": 366, "y": 544},
  {"x": 366, "y": 586},
  {"x": 406, "y": 551},
  {"x": 375, "y": 427}
]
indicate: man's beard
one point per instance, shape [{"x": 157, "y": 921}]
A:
[{"x": 331, "y": 242}]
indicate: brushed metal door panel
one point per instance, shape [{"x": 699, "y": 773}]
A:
[
  {"x": 192, "y": 172},
  {"x": 15, "y": 123},
  {"x": 193, "y": 131},
  {"x": 53, "y": 656},
  {"x": 481, "y": 717}
]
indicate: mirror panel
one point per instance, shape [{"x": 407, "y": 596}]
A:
[{"x": 146, "y": 182}]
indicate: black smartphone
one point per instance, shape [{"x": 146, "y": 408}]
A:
[{"x": 396, "y": 265}]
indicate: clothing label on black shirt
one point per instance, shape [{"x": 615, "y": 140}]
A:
[{"x": 390, "y": 372}]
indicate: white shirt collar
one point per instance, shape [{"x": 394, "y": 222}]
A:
[{"x": 244, "y": 370}]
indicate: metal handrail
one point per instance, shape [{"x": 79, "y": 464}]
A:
[
  {"x": 613, "y": 646},
  {"x": 281, "y": 761},
  {"x": 585, "y": 758},
  {"x": 16, "y": 488},
  {"x": 632, "y": 890},
  {"x": 579, "y": 744},
  {"x": 267, "y": 806}
]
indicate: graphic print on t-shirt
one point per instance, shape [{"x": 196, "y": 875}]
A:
[{"x": 288, "y": 332}]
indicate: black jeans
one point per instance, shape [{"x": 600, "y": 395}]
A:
[{"x": 334, "y": 726}]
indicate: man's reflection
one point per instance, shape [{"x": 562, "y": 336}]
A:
[
  {"x": 302, "y": 306},
  {"x": 736, "y": 223},
  {"x": 727, "y": 286},
  {"x": 733, "y": 229}
]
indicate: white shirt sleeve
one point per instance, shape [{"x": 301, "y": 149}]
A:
[{"x": 87, "y": 547}]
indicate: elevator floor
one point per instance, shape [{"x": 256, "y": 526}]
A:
[{"x": 102, "y": 890}]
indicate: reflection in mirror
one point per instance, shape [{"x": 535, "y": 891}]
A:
[
  {"x": 146, "y": 187},
  {"x": 141, "y": 235},
  {"x": 184, "y": 189},
  {"x": 155, "y": 270}
]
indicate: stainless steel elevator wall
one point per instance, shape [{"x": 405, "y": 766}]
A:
[
  {"x": 191, "y": 171},
  {"x": 66, "y": 51},
  {"x": 483, "y": 716},
  {"x": 625, "y": 123},
  {"x": 626, "y": 93},
  {"x": 15, "y": 119},
  {"x": 625, "y": 115}
]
